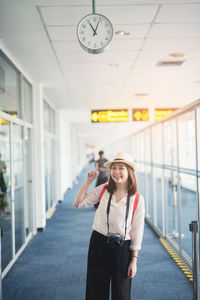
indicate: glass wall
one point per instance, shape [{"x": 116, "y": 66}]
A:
[
  {"x": 5, "y": 192},
  {"x": 18, "y": 172},
  {"x": 187, "y": 176},
  {"x": 49, "y": 154},
  {"x": 28, "y": 180},
  {"x": 27, "y": 97},
  {"x": 9, "y": 87},
  {"x": 172, "y": 212},
  {"x": 15, "y": 159},
  {"x": 168, "y": 154}
]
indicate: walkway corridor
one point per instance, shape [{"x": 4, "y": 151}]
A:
[{"x": 53, "y": 266}]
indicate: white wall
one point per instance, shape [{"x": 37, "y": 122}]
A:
[
  {"x": 38, "y": 167},
  {"x": 64, "y": 153}
]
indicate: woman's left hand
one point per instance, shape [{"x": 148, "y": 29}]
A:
[{"x": 132, "y": 269}]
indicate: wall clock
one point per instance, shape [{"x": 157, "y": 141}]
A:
[{"x": 94, "y": 32}]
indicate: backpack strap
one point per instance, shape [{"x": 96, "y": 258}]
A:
[
  {"x": 102, "y": 191},
  {"x": 135, "y": 204}
]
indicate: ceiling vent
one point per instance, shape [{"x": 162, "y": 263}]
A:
[
  {"x": 169, "y": 63},
  {"x": 141, "y": 94}
]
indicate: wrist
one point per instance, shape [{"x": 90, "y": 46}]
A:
[{"x": 134, "y": 257}]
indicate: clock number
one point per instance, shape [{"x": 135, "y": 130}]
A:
[
  {"x": 106, "y": 38},
  {"x": 95, "y": 45},
  {"x": 88, "y": 43},
  {"x": 83, "y": 39},
  {"x": 101, "y": 43},
  {"x": 82, "y": 32},
  {"x": 84, "y": 26}
]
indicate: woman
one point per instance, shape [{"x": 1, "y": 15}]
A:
[{"x": 117, "y": 230}]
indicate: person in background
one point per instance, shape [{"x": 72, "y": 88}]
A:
[
  {"x": 103, "y": 173},
  {"x": 117, "y": 230},
  {"x": 3, "y": 186}
]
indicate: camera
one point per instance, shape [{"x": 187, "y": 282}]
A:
[{"x": 115, "y": 240}]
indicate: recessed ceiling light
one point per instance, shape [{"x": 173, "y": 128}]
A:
[
  {"x": 114, "y": 65},
  {"x": 169, "y": 63},
  {"x": 122, "y": 32},
  {"x": 141, "y": 94},
  {"x": 177, "y": 54},
  {"x": 197, "y": 81},
  {"x": 109, "y": 83}
]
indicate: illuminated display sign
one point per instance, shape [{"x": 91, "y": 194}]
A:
[
  {"x": 140, "y": 114},
  {"x": 111, "y": 115},
  {"x": 160, "y": 113},
  {"x": 2, "y": 121}
]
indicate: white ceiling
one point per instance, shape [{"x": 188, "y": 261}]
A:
[{"x": 41, "y": 35}]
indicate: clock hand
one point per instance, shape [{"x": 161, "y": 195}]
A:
[
  {"x": 95, "y": 31},
  {"x": 91, "y": 27}
]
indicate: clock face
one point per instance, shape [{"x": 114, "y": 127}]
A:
[{"x": 94, "y": 33}]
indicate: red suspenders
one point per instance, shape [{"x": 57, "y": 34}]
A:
[
  {"x": 135, "y": 202},
  {"x": 102, "y": 191}
]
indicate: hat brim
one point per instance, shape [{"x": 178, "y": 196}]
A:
[{"x": 109, "y": 163}]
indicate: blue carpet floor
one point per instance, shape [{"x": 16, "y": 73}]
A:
[{"x": 53, "y": 266}]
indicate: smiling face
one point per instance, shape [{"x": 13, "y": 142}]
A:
[{"x": 119, "y": 173}]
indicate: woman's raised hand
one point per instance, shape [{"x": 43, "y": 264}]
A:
[{"x": 92, "y": 174}]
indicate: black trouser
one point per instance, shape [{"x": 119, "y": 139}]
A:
[
  {"x": 105, "y": 264},
  {"x": 2, "y": 183}
]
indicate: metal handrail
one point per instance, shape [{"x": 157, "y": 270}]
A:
[{"x": 194, "y": 228}]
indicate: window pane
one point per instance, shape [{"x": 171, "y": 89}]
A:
[
  {"x": 5, "y": 193},
  {"x": 18, "y": 168},
  {"x": 27, "y": 94},
  {"x": 147, "y": 145},
  {"x": 171, "y": 190},
  {"x": 186, "y": 135},
  {"x": 53, "y": 125},
  {"x": 157, "y": 188},
  {"x": 49, "y": 158},
  {"x": 189, "y": 209},
  {"x": 157, "y": 144},
  {"x": 170, "y": 143},
  {"x": 28, "y": 187},
  {"x": 9, "y": 88},
  {"x": 148, "y": 192},
  {"x": 47, "y": 117}
]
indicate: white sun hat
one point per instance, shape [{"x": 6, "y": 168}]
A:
[{"x": 121, "y": 157}]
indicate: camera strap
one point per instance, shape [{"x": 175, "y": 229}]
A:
[{"x": 126, "y": 215}]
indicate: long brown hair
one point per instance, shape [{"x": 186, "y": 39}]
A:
[{"x": 132, "y": 183}]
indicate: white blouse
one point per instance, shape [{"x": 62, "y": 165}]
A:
[{"x": 135, "y": 225}]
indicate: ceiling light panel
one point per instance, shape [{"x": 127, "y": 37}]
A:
[
  {"x": 127, "y": 45},
  {"x": 153, "y": 55},
  {"x": 106, "y": 58},
  {"x": 129, "y": 14},
  {"x": 172, "y": 45},
  {"x": 179, "y": 13},
  {"x": 66, "y": 46},
  {"x": 175, "y": 30},
  {"x": 136, "y": 31},
  {"x": 62, "y": 33},
  {"x": 63, "y": 15}
]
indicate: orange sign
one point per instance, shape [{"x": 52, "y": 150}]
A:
[
  {"x": 160, "y": 113},
  {"x": 111, "y": 115},
  {"x": 140, "y": 114}
]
